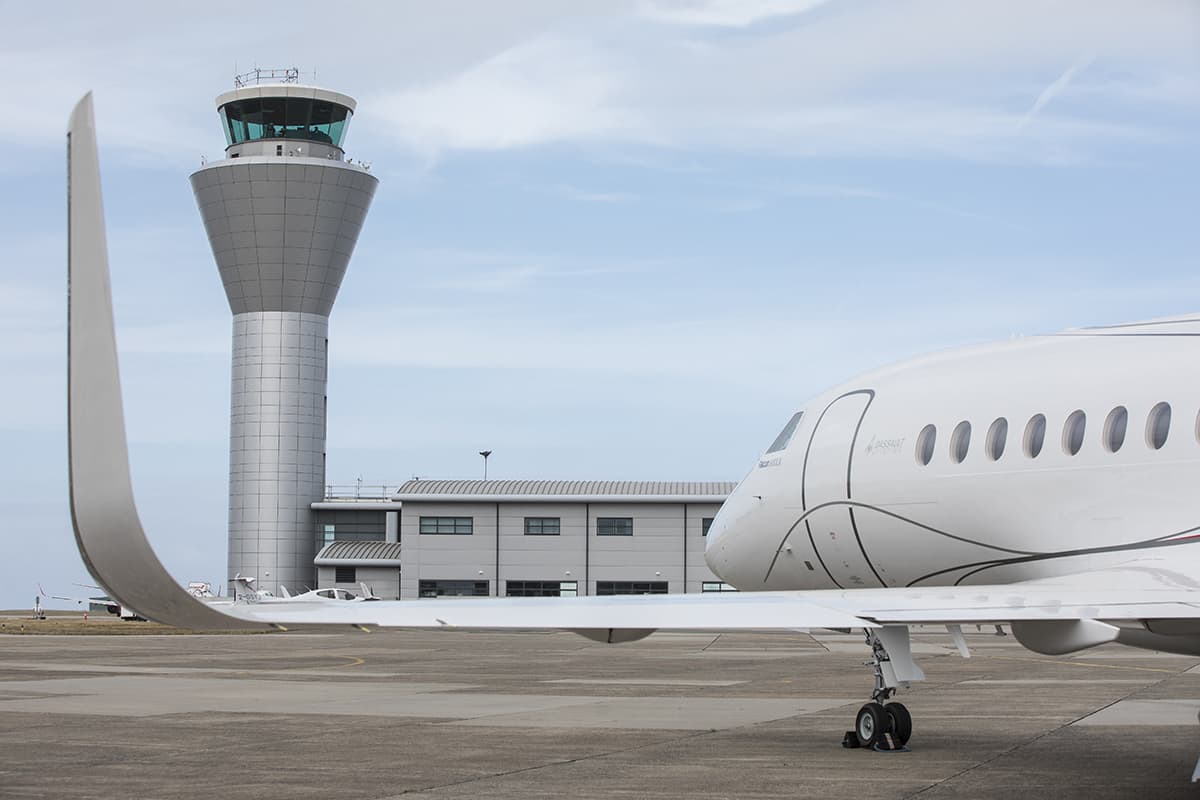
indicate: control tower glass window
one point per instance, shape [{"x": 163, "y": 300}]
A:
[{"x": 284, "y": 118}]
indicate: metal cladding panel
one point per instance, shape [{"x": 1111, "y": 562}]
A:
[
  {"x": 282, "y": 230},
  {"x": 276, "y": 445}
]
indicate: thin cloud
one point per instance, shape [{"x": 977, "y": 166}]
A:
[
  {"x": 724, "y": 13},
  {"x": 1055, "y": 88},
  {"x": 851, "y": 84}
]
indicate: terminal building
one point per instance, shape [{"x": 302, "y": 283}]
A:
[{"x": 521, "y": 538}]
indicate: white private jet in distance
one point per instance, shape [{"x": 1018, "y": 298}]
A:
[{"x": 1046, "y": 483}]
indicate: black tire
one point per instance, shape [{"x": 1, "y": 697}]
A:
[
  {"x": 901, "y": 721},
  {"x": 871, "y": 723}
]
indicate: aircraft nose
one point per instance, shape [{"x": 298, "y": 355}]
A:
[{"x": 725, "y": 530}]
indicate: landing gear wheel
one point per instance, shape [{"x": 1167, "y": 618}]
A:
[
  {"x": 901, "y": 722},
  {"x": 871, "y": 723}
]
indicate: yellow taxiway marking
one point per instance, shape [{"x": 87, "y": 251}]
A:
[{"x": 353, "y": 661}]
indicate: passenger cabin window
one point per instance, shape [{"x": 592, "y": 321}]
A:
[
  {"x": 1158, "y": 425},
  {"x": 785, "y": 435},
  {"x": 926, "y": 439},
  {"x": 1035, "y": 435},
  {"x": 1073, "y": 431},
  {"x": 960, "y": 442},
  {"x": 1115, "y": 426},
  {"x": 997, "y": 438}
]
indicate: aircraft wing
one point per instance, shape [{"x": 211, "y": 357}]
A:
[
  {"x": 117, "y": 553},
  {"x": 1151, "y": 591}
]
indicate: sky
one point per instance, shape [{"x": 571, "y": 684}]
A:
[{"x": 613, "y": 239}]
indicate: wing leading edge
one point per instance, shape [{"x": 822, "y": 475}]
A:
[{"x": 118, "y": 555}]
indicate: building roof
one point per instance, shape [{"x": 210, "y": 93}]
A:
[
  {"x": 349, "y": 554},
  {"x": 559, "y": 491},
  {"x": 286, "y": 90}
]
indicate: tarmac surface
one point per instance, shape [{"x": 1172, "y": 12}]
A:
[{"x": 552, "y": 715}]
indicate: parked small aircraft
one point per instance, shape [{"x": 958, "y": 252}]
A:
[
  {"x": 331, "y": 594},
  {"x": 97, "y": 603}
]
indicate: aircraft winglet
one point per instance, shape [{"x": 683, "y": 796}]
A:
[{"x": 107, "y": 529}]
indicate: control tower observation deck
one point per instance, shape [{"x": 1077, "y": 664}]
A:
[{"x": 282, "y": 211}]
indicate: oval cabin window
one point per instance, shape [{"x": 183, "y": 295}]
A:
[
  {"x": 960, "y": 442},
  {"x": 1035, "y": 435},
  {"x": 926, "y": 439},
  {"x": 1073, "y": 431},
  {"x": 1158, "y": 425},
  {"x": 997, "y": 438},
  {"x": 1114, "y": 429}
]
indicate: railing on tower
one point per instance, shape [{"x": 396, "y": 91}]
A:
[
  {"x": 257, "y": 76},
  {"x": 360, "y": 491}
]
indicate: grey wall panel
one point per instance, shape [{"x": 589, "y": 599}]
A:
[
  {"x": 656, "y": 551},
  {"x": 277, "y": 445},
  {"x": 246, "y": 210}
]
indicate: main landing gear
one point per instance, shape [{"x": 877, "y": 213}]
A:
[{"x": 880, "y": 724}]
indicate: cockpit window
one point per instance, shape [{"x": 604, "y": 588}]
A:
[{"x": 785, "y": 435}]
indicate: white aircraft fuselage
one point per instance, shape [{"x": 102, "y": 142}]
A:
[{"x": 848, "y": 503}]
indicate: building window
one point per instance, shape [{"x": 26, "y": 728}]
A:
[
  {"x": 351, "y": 526},
  {"x": 960, "y": 442},
  {"x": 1158, "y": 425},
  {"x": 997, "y": 438},
  {"x": 1073, "y": 431},
  {"x": 452, "y": 588},
  {"x": 716, "y": 586},
  {"x": 543, "y": 526},
  {"x": 448, "y": 525},
  {"x": 630, "y": 587},
  {"x": 344, "y": 575},
  {"x": 614, "y": 526},
  {"x": 705, "y": 524},
  {"x": 1035, "y": 435},
  {"x": 1114, "y": 429},
  {"x": 785, "y": 435},
  {"x": 541, "y": 589},
  {"x": 926, "y": 439}
]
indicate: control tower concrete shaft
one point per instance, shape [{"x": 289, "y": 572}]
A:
[{"x": 283, "y": 212}]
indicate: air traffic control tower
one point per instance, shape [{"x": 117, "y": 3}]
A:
[{"x": 283, "y": 211}]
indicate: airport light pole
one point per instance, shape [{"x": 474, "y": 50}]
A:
[{"x": 485, "y": 454}]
